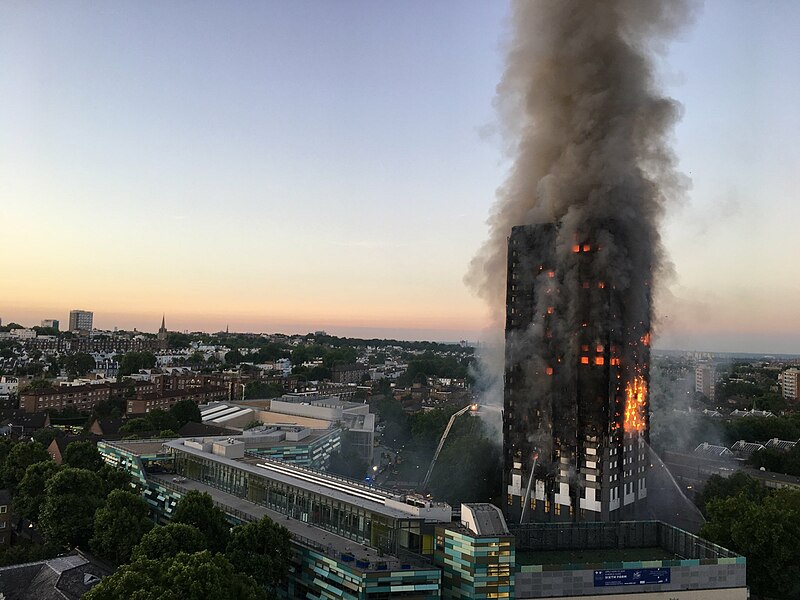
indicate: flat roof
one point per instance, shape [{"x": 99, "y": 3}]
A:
[
  {"x": 307, "y": 479},
  {"x": 332, "y": 543},
  {"x": 139, "y": 447}
]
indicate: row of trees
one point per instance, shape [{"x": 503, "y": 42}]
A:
[
  {"x": 62, "y": 501},
  {"x": 86, "y": 503},
  {"x": 196, "y": 556},
  {"x": 761, "y": 524}
]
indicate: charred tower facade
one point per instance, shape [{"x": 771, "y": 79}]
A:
[{"x": 576, "y": 419}]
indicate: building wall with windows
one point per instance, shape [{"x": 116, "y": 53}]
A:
[
  {"x": 5, "y": 518},
  {"x": 314, "y": 453},
  {"x": 80, "y": 320}
]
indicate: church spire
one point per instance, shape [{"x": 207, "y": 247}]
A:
[{"x": 162, "y": 331}]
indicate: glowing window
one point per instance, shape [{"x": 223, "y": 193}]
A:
[
  {"x": 576, "y": 248},
  {"x": 585, "y": 347},
  {"x": 551, "y": 274},
  {"x": 549, "y": 370},
  {"x": 584, "y": 360},
  {"x": 586, "y": 247},
  {"x": 599, "y": 360},
  {"x": 550, "y": 310}
]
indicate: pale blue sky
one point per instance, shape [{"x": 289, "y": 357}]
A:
[{"x": 305, "y": 165}]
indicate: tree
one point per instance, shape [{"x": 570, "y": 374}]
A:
[
  {"x": 720, "y": 488},
  {"x": 198, "y": 509},
  {"x": 766, "y": 532},
  {"x": 71, "y": 498},
  {"x": 136, "y": 425},
  {"x": 348, "y": 464},
  {"x": 119, "y": 526},
  {"x": 131, "y": 362},
  {"x": 78, "y": 364},
  {"x": 83, "y": 455},
  {"x": 30, "y": 492},
  {"x": 259, "y": 389},
  {"x": 47, "y": 435},
  {"x": 167, "y": 541},
  {"x": 261, "y": 550},
  {"x": 186, "y": 410},
  {"x": 19, "y": 458},
  {"x": 161, "y": 419},
  {"x": 397, "y": 426},
  {"x": 114, "y": 478},
  {"x": 178, "y": 340},
  {"x": 234, "y": 357},
  {"x": 196, "y": 576}
]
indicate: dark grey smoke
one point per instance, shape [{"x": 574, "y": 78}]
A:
[{"x": 588, "y": 130}]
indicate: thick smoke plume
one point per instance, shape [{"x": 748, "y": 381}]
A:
[{"x": 588, "y": 130}]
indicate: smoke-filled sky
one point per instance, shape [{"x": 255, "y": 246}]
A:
[{"x": 330, "y": 165}]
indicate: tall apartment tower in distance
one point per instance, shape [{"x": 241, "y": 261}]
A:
[
  {"x": 80, "y": 320},
  {"x": 705, "y": 380},
  {"x": 52, "y": 323},
  {"x": 576, "y": 419}
]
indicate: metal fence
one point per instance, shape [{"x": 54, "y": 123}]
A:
[{"x": 615, "y": 535}]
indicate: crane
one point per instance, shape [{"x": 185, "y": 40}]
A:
[{"x": 444, "y": 437}]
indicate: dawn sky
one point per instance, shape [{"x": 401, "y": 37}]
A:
[{"x": 292, "y": 166}]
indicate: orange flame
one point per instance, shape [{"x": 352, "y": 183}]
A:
[{"x": 635, "y": 400}]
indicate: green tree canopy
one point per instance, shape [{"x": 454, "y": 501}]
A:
[
  {"x": 395, "y": 419},
  {"x": 185, "y": 411},
  {"x": 30, "y": 492},
  {"x": 167, "y": 541},
  {"x": 71, "y": 498},
  {"x": 83, "y": 455},
  {"x": 47, "y": 435},
  {"x": 720, "y": 488},
  {"x": 136, "y": 425},
  {"x": 114, "y": 478},
  {"x": 260, "y": 389},
  {"x": 261, "y": 550},
  {"x": 767, "y": 533},
  {"x": 119, "y": 526},
  {"x": 348, "y": 463},
  {"x": 20, "y": 457},
  {"x": 198, "y": 576},
  {"x": 131, "y": 362},
  {"x": 78, "y": 364},
  {"x": 198, "y": 510}
]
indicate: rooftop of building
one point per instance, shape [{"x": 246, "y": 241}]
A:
[
  {"x": 323, "y": 541},
  {"x": 611, "y": 545},
  {"x": 483, "y": 519},
  {"x": 69, "y": 576}
]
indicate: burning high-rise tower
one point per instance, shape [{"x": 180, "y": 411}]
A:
[
  {"x": 574, "y": 244},
  {"x": 575, "y": 422}
]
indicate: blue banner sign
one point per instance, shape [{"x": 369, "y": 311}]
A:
[{"x": 614, "y": 577}]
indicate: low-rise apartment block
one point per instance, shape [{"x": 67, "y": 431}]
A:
[{"x": 144, "y": 403}]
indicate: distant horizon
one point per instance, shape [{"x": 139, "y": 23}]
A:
[
  {"x": 474, "y": 337},
  {"x": 251, "y": 166}
]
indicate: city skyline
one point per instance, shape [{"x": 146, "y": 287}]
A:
[{"x": 218, "y": 166}]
